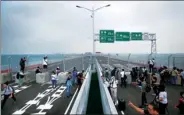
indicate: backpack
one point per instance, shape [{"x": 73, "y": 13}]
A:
[
  {"x": 13, "y": 90},
  {"x": 18, "y": 75},
  {"x": 106, "y": 74},
  {"x": 121, "y": 104}
]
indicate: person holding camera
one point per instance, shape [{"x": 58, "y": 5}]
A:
[
  {"x": 153, "y": 83},
  {"x": 151, "y": 109},
  {"x": 163, "y": 102}
]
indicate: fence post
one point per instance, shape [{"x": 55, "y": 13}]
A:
[
  {"x": 128, "y": 60},
  {"x": 173, "y": 61},
  {"x": 63, "y": 62},
  {"x": 83, "y": 61},
  {"x": 108, "y": 61},
  {"x": 9, "y": 64},
  {"x": 169, "y": 60}
]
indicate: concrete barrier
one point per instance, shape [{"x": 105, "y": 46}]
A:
[
  {"x": 129, "y": 78},
  {"x": 62, "y": 77},
  {"x": 6, "y": 77},
  {"x": 42, "y": 77},
  {"x": 80, "y": 104},
  {"x": 107, "y": 103}
]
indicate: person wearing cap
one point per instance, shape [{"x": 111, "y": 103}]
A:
[
  {"x": 57, "y": 70},
  {"x": 8, "y": 93}
]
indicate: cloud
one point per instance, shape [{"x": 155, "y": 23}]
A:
[{"x": 58, "y": 26}]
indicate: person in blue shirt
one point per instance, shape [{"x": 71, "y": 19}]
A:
[
  {"x": 8, "y": 93},
  {"x": 68, "y": 85}
]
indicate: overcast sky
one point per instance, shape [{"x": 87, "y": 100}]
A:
[{"x": 57, "y": 27}]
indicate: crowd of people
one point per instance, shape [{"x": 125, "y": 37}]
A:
[{"x": 147, "y": 81}]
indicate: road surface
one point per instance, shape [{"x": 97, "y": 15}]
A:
[
  {"x": 38, "y": 98},
  {"x": 131, "y": 93}
]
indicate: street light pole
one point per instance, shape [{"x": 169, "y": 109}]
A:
[{"x": 93, "y": 26}]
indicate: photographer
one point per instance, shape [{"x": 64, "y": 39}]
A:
[
  {"x": 163, "y": 102},
  {"x": 153, "y": 83},
  {"x": 151, "y": 109}
]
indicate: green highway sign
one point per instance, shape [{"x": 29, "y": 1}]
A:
[
  {"x": 136, "y": 36},
  {"x": 122, "y": 36},
  {"x": 106, "y": 36}
]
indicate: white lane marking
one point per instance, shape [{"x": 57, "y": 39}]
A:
[
  {"x": 15, "y": 86},
  {"x": 50, "y": 81},
  {"x": 17, "y": 90},
  {"x": 50, "y": 100},
  {"x": 35, "y": 101},
  {"x": 122, "y": 113},
  {"x": 71, "y": 102}
]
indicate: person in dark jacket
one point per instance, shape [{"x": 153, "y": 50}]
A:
[
  {"x": 113, "y": 72},
  {"x": 38, "y": 70},
  {"x": 22, "y": 64}
]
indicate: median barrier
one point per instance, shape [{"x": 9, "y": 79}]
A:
[
  {"x": 129, "y": 78},
  {"x": 42, "y": 77},
  {"x": 62, "y": 77},
  {"x": 81, "y": 101},
  {"x": 107, "y": 103}
]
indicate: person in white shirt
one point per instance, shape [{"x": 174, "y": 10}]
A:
[
  {"x": 54, "y": 79},
  {"x": 163, "y": 102},
  {"x": 113, "y": 87},
  {"x": 45, "y": 63},
  {"x": 151, "y": 65},
  {"x": 123, "y": 78},
  {"x": 8, "y": 93}
]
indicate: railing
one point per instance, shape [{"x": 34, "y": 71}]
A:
[
  {"x": 30, "y": 64},
  {"x": 160, "y": 60},
  {"x": 107, "y": 103},
  {"x": 81, "y": 101}
]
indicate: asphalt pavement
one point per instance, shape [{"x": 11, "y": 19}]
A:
[
  {"x": 132, "y": 93},
  {"x": 39, "y": 99}
]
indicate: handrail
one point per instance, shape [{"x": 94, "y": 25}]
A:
[
  {"x": 80, "y": 104},
  {"x": 107, "y": 103}
]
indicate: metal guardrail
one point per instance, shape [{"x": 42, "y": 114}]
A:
[
  {"x": 107, "y": 103},
  {"x": 80, "y": 104}
]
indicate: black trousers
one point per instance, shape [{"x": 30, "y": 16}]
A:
[
  {"x": 150, "y": 68},
  {"x": 143, "y": 98},
  {"x": 123, "y": 82},
  {"x": 6, "y": 98},
  {"x": 162, "y": 108},
  {"x": 22, "y": 68}
]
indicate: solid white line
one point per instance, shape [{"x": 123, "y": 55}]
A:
[
  {"x": 122, "y": 113},
  {"x": 70, "y": 102}
]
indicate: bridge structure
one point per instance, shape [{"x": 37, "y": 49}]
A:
[{"x": 92, "y": 98}]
